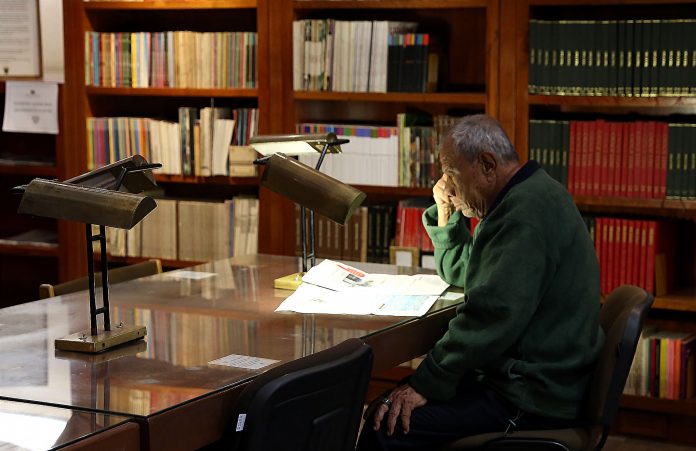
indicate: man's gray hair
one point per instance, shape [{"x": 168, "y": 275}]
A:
[{"x": 477, "y": 133}]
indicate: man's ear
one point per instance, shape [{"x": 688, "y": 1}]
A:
[{"x": 488, "y": 162}]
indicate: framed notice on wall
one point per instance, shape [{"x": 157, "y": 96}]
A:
[{"x": 19, "y": 39}]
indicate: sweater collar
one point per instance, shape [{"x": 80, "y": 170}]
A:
[{"x": 526, "y": 171}]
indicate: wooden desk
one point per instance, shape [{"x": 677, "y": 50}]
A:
[
  {"x": 33, "y": 426},
  {"x": 166, "y": 382}
]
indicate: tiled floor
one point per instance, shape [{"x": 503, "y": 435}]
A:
[{"x": 619, "y": 443}]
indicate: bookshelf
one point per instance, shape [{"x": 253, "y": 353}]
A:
[
  {"x": 665, "y": 419},
  {"x": 467, "y": 83},
  {"x": 161, "y": 101}
]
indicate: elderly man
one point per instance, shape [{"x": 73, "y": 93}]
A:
[{"x": 519, "y": 353}]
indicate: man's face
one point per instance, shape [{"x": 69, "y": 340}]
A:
[{"x": 465, "y": 181}]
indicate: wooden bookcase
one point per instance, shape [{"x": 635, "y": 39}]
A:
[
  {"x": 469, "y": 84},
  {"x": 671, "y": 420},
  {"x": 95, "y": 101},
  {"x": 489, "y": 73}
]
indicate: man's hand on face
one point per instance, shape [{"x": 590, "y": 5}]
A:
[
  {"x": 402, "y": 401},
  {"x": 443, "y": 193}
]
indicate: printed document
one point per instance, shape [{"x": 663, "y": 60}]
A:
[{"x": 336, "y": 288}]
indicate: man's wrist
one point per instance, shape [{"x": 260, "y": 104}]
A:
[{"x": 443, "y": 215}]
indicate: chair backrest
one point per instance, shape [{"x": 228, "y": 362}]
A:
[
  {"x": 312, "y": 403},
  {"x": 116, "y": 275},
  {"x": 621, "y": 318}
]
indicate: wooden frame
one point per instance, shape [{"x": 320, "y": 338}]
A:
[{"x": 402, "y": 254}]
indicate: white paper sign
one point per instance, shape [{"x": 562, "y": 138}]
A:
[
  {"x": 19, "y": 38},
  {"x": 243, "y": 361},
  {"x": 31, "y": 107}
]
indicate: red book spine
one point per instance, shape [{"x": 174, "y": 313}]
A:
[
  {"x": 622, "y": 224},
  {"x": 651, "y": 170},
  {"x": 650, "y": 256},
  {"x": 625, "y": 155},
  {"x": 611, "y": 253},
  {"x": 594, "y": 147},
  {"x": 631, "y": 275},
  {"x": 642, "y": 254}
]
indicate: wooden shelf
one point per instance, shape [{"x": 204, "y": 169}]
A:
[
  {"x": 28, "y": 250},
  {"x": 173, "y": 92},
  {"x": 397, "y": 191},
  {"x": 454, "y": 98},
  {"x": 609, "y": 102},
  {"x": 216, "y": 180},
  {"x": 390, "y": 4},
  {"x": 656, "y": 207},
  {"x": 28, "y": 169},
  {"x": 599, "y": 2},
  {"x": 680, "y": 407},
  {"x": 680, "y": 301},
  {"x": 165, "y": 263},
  {"x": 174, "y": 5}
]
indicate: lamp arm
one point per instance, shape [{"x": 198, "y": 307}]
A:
[{"x": 125, "y": 170}]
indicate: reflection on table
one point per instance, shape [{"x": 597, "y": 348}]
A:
[
  {"x": 25, "y": 426},
  {"x": 193, "y": 317}
]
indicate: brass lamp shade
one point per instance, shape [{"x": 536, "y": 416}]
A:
[
  {"x": 62, "y": 200},
  {"x": 310, "y": 188}
]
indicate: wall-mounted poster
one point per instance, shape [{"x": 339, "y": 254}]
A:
[{"x": 19, "y": 39}]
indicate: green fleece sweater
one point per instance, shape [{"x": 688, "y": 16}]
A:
[{"x": 530, "y": 323}]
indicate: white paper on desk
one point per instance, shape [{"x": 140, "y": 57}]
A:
[
  {"x": 341, "y": 277},
  {"x": 310, "y": 298},
  {"x": 31, "y": 107}
]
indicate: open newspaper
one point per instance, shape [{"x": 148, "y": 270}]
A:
[{"x": 337, "y": 288}]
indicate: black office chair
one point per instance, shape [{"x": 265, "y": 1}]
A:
[
  {"x": 622, "y": 318},
  {"x": 313, "y": 403}
]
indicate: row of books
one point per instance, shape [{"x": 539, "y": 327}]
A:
[
  {"x": 369, "y": 234},
  {"x": 173, "y": 231},
  {"x": 664, "y": 365},
  {"x": 199, "y": 144},
  {"x": 405, "y": 155},
  {"x": 362, "y": 56},
  {"x": 174, "y": 59},
  {"x": 612, "y": 57},
  {"x": 635, "y": 252},
  {"x": 366, "y": 237},
  {"x": 643, "y": 159}
]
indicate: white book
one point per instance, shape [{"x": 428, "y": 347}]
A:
[
  {"x": 222, "y": 137},
  {"x": 297, "y": 54},
  {"x": 158, "y": 234}
]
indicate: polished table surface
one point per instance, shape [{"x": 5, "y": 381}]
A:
[
  {"x": 25, "y": 426},
  {"x": 190, "y": 323}
]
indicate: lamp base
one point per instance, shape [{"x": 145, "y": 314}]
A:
[
  {"x": 86, "y": 342},
  {"x": 289, "y": 282}
]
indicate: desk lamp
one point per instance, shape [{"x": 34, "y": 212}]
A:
[
  {"x": 104, "y": 197},
  {"x": 305, "y": 186}
]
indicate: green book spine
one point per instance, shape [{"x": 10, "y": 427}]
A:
[
  {"x": 534, "y": 54},
  {"x": 611, "y": 63},
  {"x": 654, "y": 56},
  {"x": 629, "y": 55},
  {"x": 621, "y": 58},
  {"x": 671, "y": 151},
  {"x": 645, "y": 58},
  {"x": 637, "y": 57}
]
